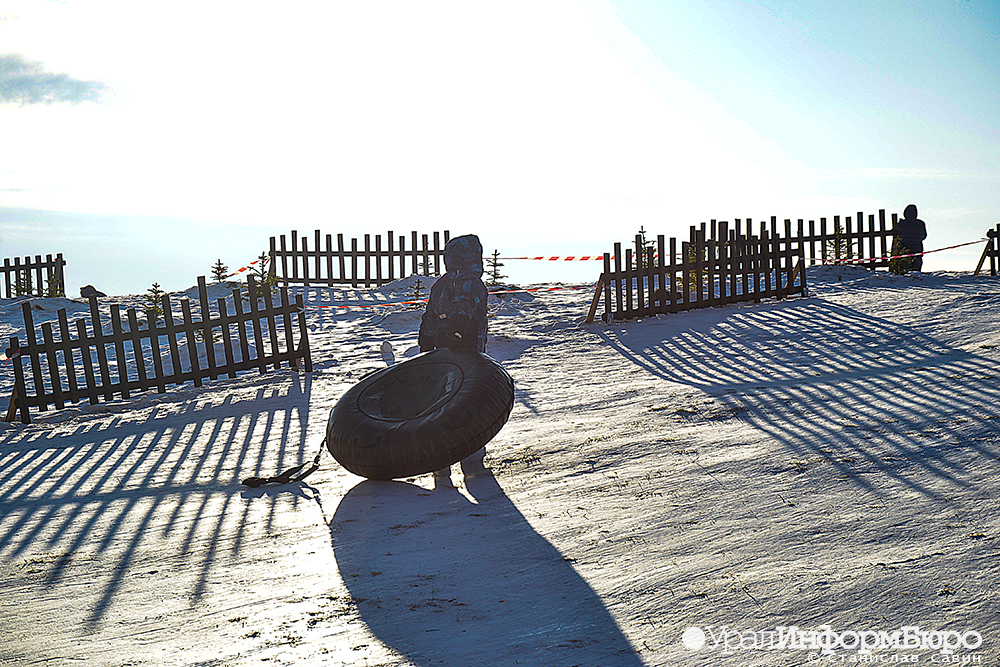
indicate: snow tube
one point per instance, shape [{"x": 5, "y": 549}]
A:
[{"x": 421, "y": 415}]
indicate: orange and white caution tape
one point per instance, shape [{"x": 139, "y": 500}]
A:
[
  {"x": 247, "y": 267},
  {"x": 412, "y": 302},
  {"x": 571, "y": 258},
  {"x": 891, "y": 257}
]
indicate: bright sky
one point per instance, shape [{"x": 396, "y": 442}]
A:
[{"x": 550, "y": 119}]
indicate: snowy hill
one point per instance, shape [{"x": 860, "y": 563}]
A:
[{"x": 667, "y": 492}]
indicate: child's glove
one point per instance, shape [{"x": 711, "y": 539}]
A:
[
  {"x": 455, "y": 332},
  {"x": 425, "y": 341}
]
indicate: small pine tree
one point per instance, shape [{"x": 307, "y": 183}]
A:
[
  {"x": 899, "y": 266},
  {"x": 493, "y": 265},
  {"x": 220, "y": 271},
  {"x": 154, "y": 295},
  {"x": 416, "y": 294},
  {"x": 642, "y": 261},
  {"x": 53, "y": 286},
  {"x": 23, "y": 286},
  {"x": 692, "y": 258},
  {"x": 839, "y": 247},
  {"x": 264, "y": 277}
]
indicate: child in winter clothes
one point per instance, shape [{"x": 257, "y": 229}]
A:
[{"x": 456, "y": 310}]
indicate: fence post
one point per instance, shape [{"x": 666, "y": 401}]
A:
[
  {"x": 596, "y": 300},
  {"x": 674, "y": 305},
  {"x": 607, "y": 287},
  {"x": 996, "y": 251},
  {"x": 661, "y": 279},
  {"x": 627, "y": 277},
  {"x": 618, "y": 278}
]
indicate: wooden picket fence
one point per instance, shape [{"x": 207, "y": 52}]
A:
[
  {"x": 374, "y": 264},
  {"x": 729, "y": 268},
  {"x": 134, "y": 357},
  {"x": 26, "y": 278},
  {"x": 852, "y": 239},
  {"x": 991, "y": 251}
]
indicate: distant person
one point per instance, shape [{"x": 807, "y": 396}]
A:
[
  {"x": 910, "y": 235},
  {"x": 456, "y": 310},
  {"x": 88, "y": 291}
]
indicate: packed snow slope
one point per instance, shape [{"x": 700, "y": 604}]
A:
[{"x": 663, "y": 488}]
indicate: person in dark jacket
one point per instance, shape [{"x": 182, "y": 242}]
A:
[
  {"x": 910, "y": 235},
  {"x": 456, "y": 310}
]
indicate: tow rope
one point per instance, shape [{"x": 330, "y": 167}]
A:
[{"x": 294, "y": 474}]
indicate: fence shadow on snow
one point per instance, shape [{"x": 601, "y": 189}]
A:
[
  {"x": 85, "y": 512},
  {"x": 833, "y": 385}
]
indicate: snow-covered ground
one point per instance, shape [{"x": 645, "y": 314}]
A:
[{"x": 663, "y": 488}]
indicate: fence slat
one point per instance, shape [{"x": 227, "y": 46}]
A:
[
  {"x": 53, "y": 365},
  {"x": 318, "y": 255},
  {"x": 87, "y": 360},
  {"x": 135, "y": 337},
  {"x": 171, "y": 332},
  {"x": 20, "y": 391},
  {"x": 255, "y": 323},
  {"x": 207, "y": 329},
  {"x": 272, "y": 329},
  {"x": 154, "y": 345},
  {"x": 227, "y": 340},
  {"x": 121, "y": 365},
  {"x": 188, "y": 325},
  {"x": 303, "y": 349},
  {"x": 241, "y": 325},
  {"x": 30, "y": 350}
]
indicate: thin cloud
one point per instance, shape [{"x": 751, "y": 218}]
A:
[{"x": 25, "y": 82}]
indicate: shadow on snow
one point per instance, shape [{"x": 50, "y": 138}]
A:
[
  {"x": 827, "y": 381},
  {"x": 116, "y": 493},
  {"x": 444, "y": 580}
]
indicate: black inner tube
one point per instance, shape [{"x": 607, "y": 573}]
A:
[{"x": 411, "y": 392}]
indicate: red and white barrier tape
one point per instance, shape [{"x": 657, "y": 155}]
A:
[
  {"x": 571, "y": 258},
  {"x": 419, "y": 301},
  {"x": 574, "y": 258},
  {"x": 247, "y": 267},
  {"x": 916, "y": 254}
]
